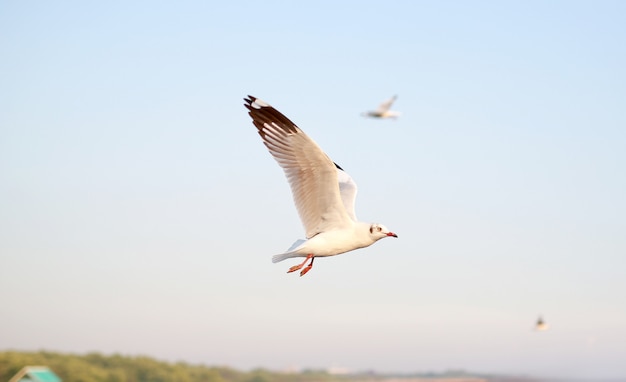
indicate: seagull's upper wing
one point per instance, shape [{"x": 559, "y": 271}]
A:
[
  {"x": 385, "y": 106},
  {"x": 311, "y": 174},
  {"x": 348, "y": 189}
]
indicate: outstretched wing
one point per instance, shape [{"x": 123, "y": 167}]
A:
[
  {"x": 385, "y": 106},
  {"x": 311, "y": 174}
]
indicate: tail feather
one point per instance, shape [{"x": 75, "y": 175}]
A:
[
  {"x": 291, "y": 252},
  {"x": 283, "y": 256}
]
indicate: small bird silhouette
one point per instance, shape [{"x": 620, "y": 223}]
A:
[
  {"x": 541, "y": 325},
  {"x": 383, "y": 110}
]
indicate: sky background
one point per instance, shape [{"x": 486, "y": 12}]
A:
[{"x": 139, "y": 209}]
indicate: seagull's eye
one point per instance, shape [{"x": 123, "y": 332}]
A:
[{"x": 379, "y": 229}]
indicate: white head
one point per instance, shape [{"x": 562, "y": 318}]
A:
[{"x": 378, "y": 231}]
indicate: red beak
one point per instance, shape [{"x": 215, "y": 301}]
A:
[{"x": 392, "y": 234}]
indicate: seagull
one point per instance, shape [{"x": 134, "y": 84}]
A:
[
  {"x": 541, "y": 325},
  {"x": 323, "y": 192},
  {"x": 383, "y": 110}
]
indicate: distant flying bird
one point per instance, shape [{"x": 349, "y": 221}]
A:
[
  {"x": 541, "y": 325},
  {"x": 324, "y": 194},
  {"x": 383, "y": 110}
]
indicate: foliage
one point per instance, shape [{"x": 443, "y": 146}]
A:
[{"x": 95, "y": 367}]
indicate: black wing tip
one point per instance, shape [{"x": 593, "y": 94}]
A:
[
  {"x": 249, "y": 101},
  {"x": 339, "y": 167},
  {"x": 254, "y": 103},
  {"x": 261, "y": 112}
]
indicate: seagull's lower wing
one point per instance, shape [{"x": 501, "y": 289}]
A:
[{"x": 347, "y": 189}]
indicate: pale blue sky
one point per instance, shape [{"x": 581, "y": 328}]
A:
[{"x": 139, "y": 209}]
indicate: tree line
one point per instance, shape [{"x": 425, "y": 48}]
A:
[{"x": 96, "y": 367}]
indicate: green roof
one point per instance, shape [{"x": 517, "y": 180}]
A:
[
  {"x": 35, "y": 374},
  {"x": 44, "y": 376}
]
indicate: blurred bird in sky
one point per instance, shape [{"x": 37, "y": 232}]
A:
[
  {"x": 383, "y": 110},
  {"x": 541, "y": 325},
  {"x": 324, "y": 194}
]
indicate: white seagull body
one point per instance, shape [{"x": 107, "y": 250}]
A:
[
  {"x": 383, "y": 110},
  {"x": 324, "y": 194}
]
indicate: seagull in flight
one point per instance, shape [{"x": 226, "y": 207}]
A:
[
  {"x": 324, "y": 194},
  {"x": 383, "y": 110},
  {"x": 541, "y": 325}
]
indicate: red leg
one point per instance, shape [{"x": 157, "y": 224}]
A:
[
  {"x": 296, "y": 267},
  {"x": 308, "y": 267}
]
